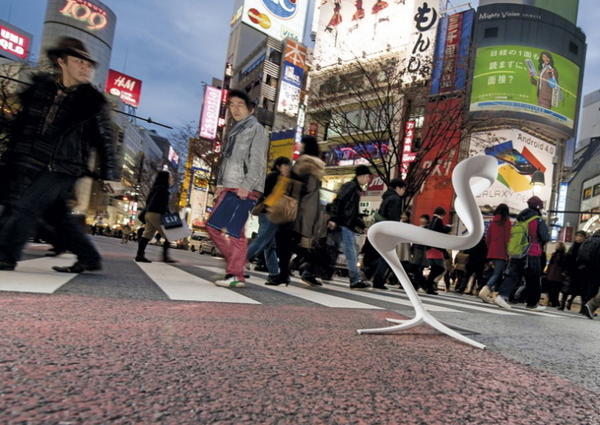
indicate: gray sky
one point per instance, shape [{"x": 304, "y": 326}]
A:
[{"x": 172, "y": 46}]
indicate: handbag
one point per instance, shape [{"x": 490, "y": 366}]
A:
[
  {"x": 231, "y": 214},
  {"x": 282, "y": 204},
  {"x": 171, "y": 220}
]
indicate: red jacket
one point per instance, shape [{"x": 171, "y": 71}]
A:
[{"x": 497, "y": 238}]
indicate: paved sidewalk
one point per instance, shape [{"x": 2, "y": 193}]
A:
[{"x": 68, "y": 359}]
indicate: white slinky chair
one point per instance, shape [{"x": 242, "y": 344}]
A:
[{"x": 470, "y": 177}]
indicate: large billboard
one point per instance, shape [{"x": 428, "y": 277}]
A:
[
  {"x": 14, "y": 42},
  {"x": 127, "y": 88},
  {"x": 525, "y": 167},
  {"x": 528, "y": 80},
  {"x": 566, "y": 8},
  {"x": 209, "y": 120},
  {"x": 282, "y": 144},
  {"x": 91, "y": 16},
  {"x": 349, "y": 29},
  {"x": 279, "y": 19}
]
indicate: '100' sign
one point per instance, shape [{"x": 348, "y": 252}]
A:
[{"x": 86, "y": 12}]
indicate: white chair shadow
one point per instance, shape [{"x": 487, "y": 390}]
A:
[{"x": 470, "y": 177}]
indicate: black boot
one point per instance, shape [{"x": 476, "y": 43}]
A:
[
  {"x": 166, "y": 257},
  {"x": 141, "y": 256}
]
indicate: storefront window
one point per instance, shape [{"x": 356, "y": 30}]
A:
[{"x": 587, "y": 193}]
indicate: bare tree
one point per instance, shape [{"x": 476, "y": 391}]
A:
[
  {"x": 10, "y": 87},
  {"x": 367, "y": 106}
]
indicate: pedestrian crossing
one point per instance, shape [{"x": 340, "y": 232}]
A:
[{"x": 193, "y": 283}]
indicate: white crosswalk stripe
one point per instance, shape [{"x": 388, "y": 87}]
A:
[
  {"x": 37, "y": 276},
  {"x": 183, "y": 286}
]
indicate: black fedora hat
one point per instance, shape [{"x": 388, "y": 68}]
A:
[{"x": 69, "y": 46}]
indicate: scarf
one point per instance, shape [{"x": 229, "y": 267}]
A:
[{"x": 238, "y": 127}]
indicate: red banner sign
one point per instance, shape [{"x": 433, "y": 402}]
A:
[
  {"x": 408, "y": 155},
  {"x": 127, "y": 88}
]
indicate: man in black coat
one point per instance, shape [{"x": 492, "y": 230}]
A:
[
  {"x": 62, "y": 119},
  {"x": 347, "y": 217},
  {"x": 391, "y": 209}
]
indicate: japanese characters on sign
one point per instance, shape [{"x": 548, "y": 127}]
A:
[
  {"x": 408, "y": 156},
  {"x": 528, "y": 80},
  {"x": 127, "y": 88},
  {"x": 425, "y": 20},
  {"x": 292, "y": 78}
]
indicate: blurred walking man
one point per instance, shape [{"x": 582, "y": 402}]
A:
[{"x": 62, "y": 119}]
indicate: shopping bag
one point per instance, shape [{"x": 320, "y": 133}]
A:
[
  {"x": 171, "y": 220},
  {"x": 231, "y": 214}
]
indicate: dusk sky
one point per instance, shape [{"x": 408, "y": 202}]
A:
[{"x": 173, "y": 46}]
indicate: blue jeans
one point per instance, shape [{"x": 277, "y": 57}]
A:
[
  {"x": 499, "y": 266},
  {"x": 265, "y": 242},
  {"x": 350, "y": 251},
  {"x": 41, "y": 193}
]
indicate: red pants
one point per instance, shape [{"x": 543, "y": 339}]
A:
[{"x": 234, "y": 250}]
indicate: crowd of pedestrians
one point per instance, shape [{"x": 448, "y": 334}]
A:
[{"x": 63, "y": 118}]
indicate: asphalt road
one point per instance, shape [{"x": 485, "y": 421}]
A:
[{"x": 70, "y": 341}]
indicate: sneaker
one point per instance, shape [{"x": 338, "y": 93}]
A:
[
  {"x": 361, "y": 284},
  {"x": 501, "y": 302},
  {"x": 537, "y": 308},
  {"x": 311, "y": 281},
  {"x": 382, "y": 287},
  {"x": 486, "y": 295},
  {"x": 587, "y": 311},
  {"x": 230, "y": 282}
]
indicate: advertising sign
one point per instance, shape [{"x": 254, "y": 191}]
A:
[
  {"x": 295, "y": 53},
  {"x": 348, "y": 155},
  {"x": 290, "y": 88},
  {"x": 91, "y": 16},
  {"x": 525, "y": 167},
  {"x": 452, "y": 52},
  {"x": 282, "y": 144},
  {"x": 437, "y": 190},
  {"x": 127, "y": 88},
  {"x": 566, "y": 8},
  {"x": 14, "y": 42},
  {"x": 279, "y": 19},
  {"x": 350, "y": 29},
  {"x": 528, "y": 80},
  {"x": 408, "y": 156},
  {"x": 211, "y": 107},
  {"x": 173, "y": 158}
]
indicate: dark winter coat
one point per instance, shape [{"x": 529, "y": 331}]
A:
[
  {"x": 589, "y": 254},
  {"x": 346, "y": 206},
  {"x": 497, "y": 238},
  {"x": 158, "y": 199},
  {"x": 309, "y": 170},
  {"x": 392, "y": 206},
  {"x": 81, "y": 123},
  {"x": 556, "y": 266}
]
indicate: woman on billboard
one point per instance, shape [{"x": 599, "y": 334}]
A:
[{"x": 548, "y": 90}]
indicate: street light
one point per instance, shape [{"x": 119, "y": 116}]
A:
[{"x": 538, "y": 181}]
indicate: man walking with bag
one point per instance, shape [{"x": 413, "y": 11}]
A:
[
  {"x": 241, "y": 174},
  {"x": 63, "y": 118}
]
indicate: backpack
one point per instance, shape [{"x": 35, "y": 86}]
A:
[{"x": 518, "y": 244}]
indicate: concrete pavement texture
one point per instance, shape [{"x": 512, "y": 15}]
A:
[{"x": 71, "y": 359}]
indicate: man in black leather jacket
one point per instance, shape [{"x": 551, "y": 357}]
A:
[{"x": 62, "y": 119}]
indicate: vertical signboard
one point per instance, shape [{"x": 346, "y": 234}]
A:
[
  {"x": 452, "y": 52},
  {"x": 209, "y": 120},
  {"x": 292, "y": 78},
  {"x": 282, "y": 144},
  {"x": 408, "y": 156}
]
